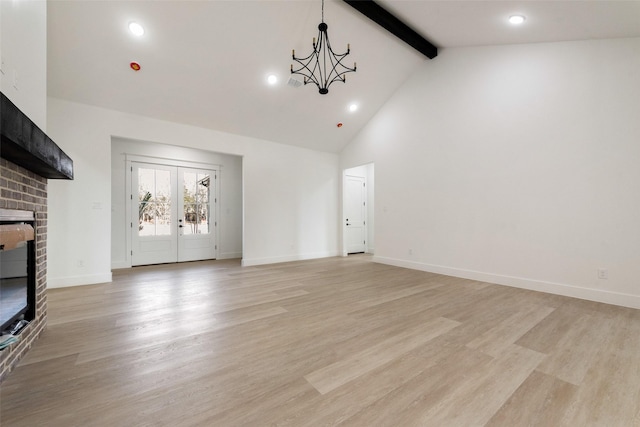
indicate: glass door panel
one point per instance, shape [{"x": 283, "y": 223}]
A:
[
  {"x": 154, "y": 234},
  {"x": 195, "y": 199},
  {"x": 196, "y": 238},
  {"x": 154, "y": 202}
]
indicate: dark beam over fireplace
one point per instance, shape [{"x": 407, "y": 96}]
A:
[{"x": 26, "y": 145}]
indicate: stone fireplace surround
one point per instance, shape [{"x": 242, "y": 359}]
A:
[{"x": 28, "y": 158}]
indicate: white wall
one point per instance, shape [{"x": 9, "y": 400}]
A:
[
  {"x": 23, "y": 49},
  {"x": 229, "y": 198},
  {"x": 515, "y": 165},
  {"x": 290, "y": 195}
]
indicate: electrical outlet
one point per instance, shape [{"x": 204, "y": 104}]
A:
[
  {"x": 410, "y": 251},
  {"x": 603, "y": 273},
  {"x": 80, "y": 263}
]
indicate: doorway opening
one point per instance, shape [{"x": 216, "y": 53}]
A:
[
  {"x": 358, "y": 210},
  {"x": 206, "y": 188}
]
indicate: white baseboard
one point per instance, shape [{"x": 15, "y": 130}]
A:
[
  {"x": 248, "y": 262},
  {"x": 89, "y": 279},
  {"x": 117, "y": 265},
  {"x": 598, "y": 295},
  {"x": 229, "y": 255}
]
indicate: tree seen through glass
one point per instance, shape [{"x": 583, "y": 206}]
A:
[
  {"x": 196, "y": 203},
  {"x": 154, "y": 202}
]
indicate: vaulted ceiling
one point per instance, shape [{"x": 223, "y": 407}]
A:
[{"x": 205, "y": 63}]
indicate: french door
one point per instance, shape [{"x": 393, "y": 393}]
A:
[{"x": 173, "y": 214}]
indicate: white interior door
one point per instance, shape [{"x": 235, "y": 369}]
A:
[
  {"x": 355, "y": 214},
  {"x": 196, "y": 214},
  {"x": 154, "y": 213},
  {"x": 173, "y": 214}
]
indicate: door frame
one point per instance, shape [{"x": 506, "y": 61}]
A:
[
  {"x": 163, "y": 161},
  {"x": 345, "y": 174},
  {"x": 364, "y": 207}
]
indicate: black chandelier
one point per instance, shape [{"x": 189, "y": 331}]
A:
[{"x": 323, "y": 66}]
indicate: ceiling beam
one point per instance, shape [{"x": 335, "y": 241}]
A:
[{"x": 385, "y": 19}]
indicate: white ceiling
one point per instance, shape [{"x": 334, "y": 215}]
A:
[{"x": 205, "y": 63}]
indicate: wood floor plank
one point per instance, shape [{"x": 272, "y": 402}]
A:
[
  {"x": 388, "y": 383},
  {"x": 540, "y": 401},
  {"x": 404, "y": 406},
  {"x": 484, "y": 391},
  {"x": 610, "y": 392},
  {"x": 343, "y": 371},
  {"x": 574, "y": 354},
  {"x": 495, "y": 340}
]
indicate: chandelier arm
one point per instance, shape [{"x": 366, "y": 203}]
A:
[
  {"x": 322, "y": 68},
  {"x": 307, "y": 78},
  {"x": 305, "y": 66},
  {"x": 336, "y": 60},
  {"x": 306, "y": 58},
  {"x": 333, "y": 69},
  {"x": 317, "y": 79}
]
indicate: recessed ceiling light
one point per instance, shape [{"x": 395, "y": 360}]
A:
[
  {"x": 136, "y": 29},
  {"x": 353, "y": 107},
  {"x": 516, "y": 19},
  {"x": 272, "y": 79}
]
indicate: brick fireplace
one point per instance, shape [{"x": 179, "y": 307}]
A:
[
  {"x": 28, "y": 159},
  {"x": 25, "y": 190}
]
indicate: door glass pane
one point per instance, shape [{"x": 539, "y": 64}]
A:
[
  {"x": 154, "y": 202},
  {"x": 196, "y": 203}
]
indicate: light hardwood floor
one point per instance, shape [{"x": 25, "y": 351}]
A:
[{"x": 339, "y": 341}]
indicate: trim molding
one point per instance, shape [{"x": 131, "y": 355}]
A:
[
  {"x": 89, "y": 279},
  {"x": 597, "y": 295},
  {"x": 117, "y": 265},
  {"x": 230, "y": 255},
  {"x": 248, "y": 262}
]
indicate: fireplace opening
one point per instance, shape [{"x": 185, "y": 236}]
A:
[{"x": 17, "y": 269}]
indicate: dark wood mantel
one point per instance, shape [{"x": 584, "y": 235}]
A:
[{"x": 25, "y": 144}]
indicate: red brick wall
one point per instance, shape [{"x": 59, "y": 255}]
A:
[{"x": 24, "y": 190}]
